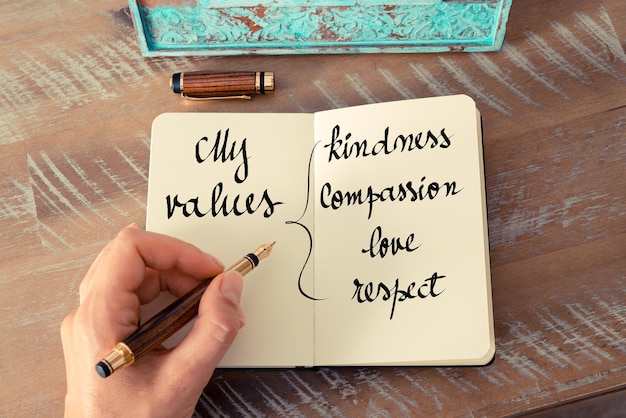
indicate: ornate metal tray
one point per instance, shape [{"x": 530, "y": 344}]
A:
[{"x": 237, "y": 27}]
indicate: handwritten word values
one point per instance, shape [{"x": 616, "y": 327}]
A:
[{"x": 223, "y": 150}]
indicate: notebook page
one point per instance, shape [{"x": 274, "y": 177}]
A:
[
  {"x": 229, "y": 183},
  {"x": 401, "y": 239}
]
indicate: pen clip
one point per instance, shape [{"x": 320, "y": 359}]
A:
[{"x": 200, "y": 99}]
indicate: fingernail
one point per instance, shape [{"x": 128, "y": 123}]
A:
[
  {"x": 232, "y": 285},
  {"x": 242, "y": 319}
]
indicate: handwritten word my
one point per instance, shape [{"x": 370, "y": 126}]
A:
[
  {"x": 336, "y": 199},
  {"x": 379, "y": 245},
  {"x": 343, "y": 148},
  {"x": 222, "y": 150},
  {"x": 223, "y": 205},
  {"x": 369, "y": 292}
]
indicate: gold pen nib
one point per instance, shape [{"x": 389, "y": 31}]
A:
[{"x": 264, "y": 250}]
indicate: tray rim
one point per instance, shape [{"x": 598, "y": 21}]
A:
[{"x": 485, "y": 44}]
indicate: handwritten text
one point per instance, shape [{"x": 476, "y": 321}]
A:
[
  {"x": 219, "y": 150},
  {"x": 336, "y": 199},
  {"x": 369, "y": 292},
  {"x": 343, "y": 148},
  {"x": 379, "y": 245},
  {"x": 222, "y": 150}
]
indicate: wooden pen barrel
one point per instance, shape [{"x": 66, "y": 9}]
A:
[
  {"x": 207, "y": 84},
  {"x": 177, "y": 314},
  {"x": 167, "y": 322}
]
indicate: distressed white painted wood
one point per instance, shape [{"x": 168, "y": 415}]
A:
[{"x": 76, "y": 105}]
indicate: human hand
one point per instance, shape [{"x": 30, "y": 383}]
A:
[{"x": 130, "y": 271}]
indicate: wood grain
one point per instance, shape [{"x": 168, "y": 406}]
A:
[{"x": 77, "y": 102}]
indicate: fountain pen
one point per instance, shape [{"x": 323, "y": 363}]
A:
[{"x": 171, "y": 319}]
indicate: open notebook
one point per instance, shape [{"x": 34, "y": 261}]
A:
[{"x": 379, "y": 215}]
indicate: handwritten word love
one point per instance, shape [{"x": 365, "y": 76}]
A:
[{"x": 379, "y": 245}]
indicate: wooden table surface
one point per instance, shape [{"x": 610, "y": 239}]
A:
[{"x": 77, "y": 100}]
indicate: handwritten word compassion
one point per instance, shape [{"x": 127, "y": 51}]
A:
[{"x": 335, "y": 199}]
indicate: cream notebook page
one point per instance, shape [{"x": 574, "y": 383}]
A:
[
  {"x": 263, "y": 158},
  {"x": 405, "y": 274}
]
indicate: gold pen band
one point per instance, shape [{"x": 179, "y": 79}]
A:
[
  {"x": 120, "y": 357},
  {"x": 204, "y": 85}
]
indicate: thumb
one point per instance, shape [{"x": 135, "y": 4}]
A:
[{"x": 219, "y": 320}]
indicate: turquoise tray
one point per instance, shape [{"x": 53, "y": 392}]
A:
[{"x": 276, "y": 27}]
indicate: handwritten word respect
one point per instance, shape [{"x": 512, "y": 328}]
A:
[{"x": 370, "y": 292}]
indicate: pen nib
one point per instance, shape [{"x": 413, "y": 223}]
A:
[{"x": 264, "y": 250}]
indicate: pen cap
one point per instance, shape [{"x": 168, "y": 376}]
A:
[{"x": 205, "y": 84}]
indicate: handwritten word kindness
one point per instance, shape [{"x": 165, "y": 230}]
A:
[
  {"x": 222, "y": 150},
  {"x": 342, "y": 147}
]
